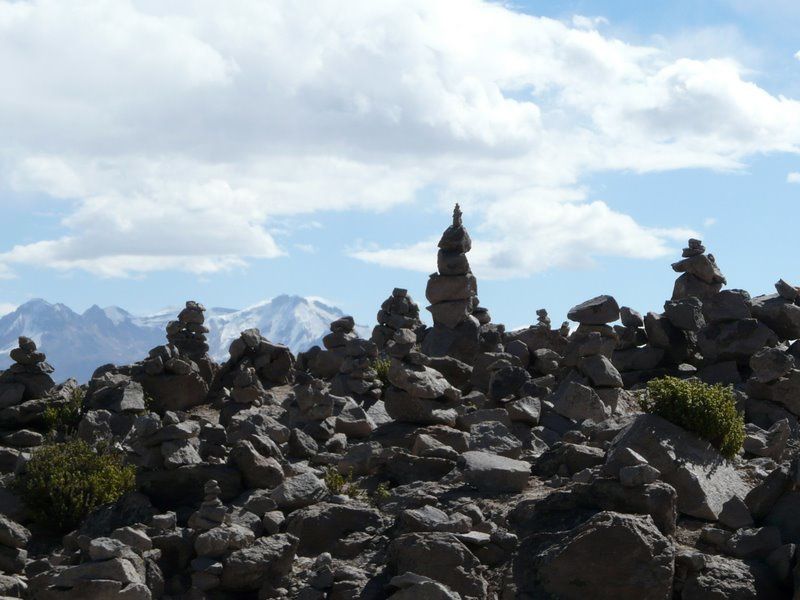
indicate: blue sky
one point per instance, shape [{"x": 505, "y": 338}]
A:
[{"x": 232, "y": 153}]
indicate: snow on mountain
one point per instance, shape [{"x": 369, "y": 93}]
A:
[
  {"x": 299, "y": 323},
  {"x": 76, "y": 344}
]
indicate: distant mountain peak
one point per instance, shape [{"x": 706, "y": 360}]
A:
[{"x": 78, "y": 343}]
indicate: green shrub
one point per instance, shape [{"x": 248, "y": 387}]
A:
[
  {"x": 381, "y": 494},
  {"x": 381, "y": 366},
  {"x": 708, "y": 411},
  {"x": 63, "y": 483},
  {"x": 63, "y": 417},
  {"x": 339, "y": 484}
]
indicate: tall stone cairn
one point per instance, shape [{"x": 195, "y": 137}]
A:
[
  {"x": 453, "y": 297},
  {"x": 188, "y": 332}
]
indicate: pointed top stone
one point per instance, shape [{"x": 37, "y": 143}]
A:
[{"x": 457, "y": 222}]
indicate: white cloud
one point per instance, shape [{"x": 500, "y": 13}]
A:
[
  {"x": 176, "y": 134},
  {"x": 7, "y": 307},
  {"x": 584, "y": 22},
  {"x": 530, "y": 233},
  {"x": 793, "y": 178},
  {"x": 709, "y": 222}
]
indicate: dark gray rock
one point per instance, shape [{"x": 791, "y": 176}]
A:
[{"x": 596, "y": 311}]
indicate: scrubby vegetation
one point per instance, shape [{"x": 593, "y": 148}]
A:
[
  {"x": 708, "y": 411},
  {"x": 62, "y": 418},
  {"x": 339, "y": 484},
  {"x": 381, "y": 366},
  {"x": 65, "y": 482}
]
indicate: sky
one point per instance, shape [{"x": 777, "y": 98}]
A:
[{"x": 229, "y": 152}]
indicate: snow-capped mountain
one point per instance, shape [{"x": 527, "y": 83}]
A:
[{"x": 76, "y": 344}]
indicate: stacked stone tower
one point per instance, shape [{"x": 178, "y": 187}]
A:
[
  {"x": 398, "y": 311},
  {"x": 453, "y": 294},
  {"x": 188, "y": 332}
]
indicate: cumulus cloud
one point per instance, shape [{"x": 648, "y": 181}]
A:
[{"x": 175, "y": 135}]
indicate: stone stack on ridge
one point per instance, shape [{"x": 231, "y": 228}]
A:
[
  {"x": 325, "y": 364},
  {"x": 542, "y": 319},
  {"x": 29, "y": 377},
  {"x": 188, "y": 334},
  {"x": 590, "y": 391},
  {"x": 357, "y": 376},
  {"x": 700, "y": 275},
  {"x": 452, "y": 293},
  {"x": 417, "y": 394},
  {"x": 480, "y": 481},
  {"x": 178, "y": 375},
  {"x": 273, "y": 363},
  {"x": 26, "y": 393},
  {"x": 398, "y": 311}
]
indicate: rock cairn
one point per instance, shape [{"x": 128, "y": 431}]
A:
[
  {"x": 29, "y": 377},
  {"x": 357, "y": 376},
  {"x": 188, "y": 332},
  {"x": 157, "y": 443},
  {"x": 590, "y": 391},
  {"x": 112, "y": 403},
  {"x": 398, "y": 311},
  {"x": 700, "y": 277},
  {"x": 418, "y": 393},
  {"x": 273, "y": 363},
  {"x": 178, "y": 375},
  {"x": 452, "y": 293},
  {"x": 325, "y": 364},
  {"x": 306, "y": 494},
  {"x": 26, "y": 393},
  {"x": 542, "y": 319}
]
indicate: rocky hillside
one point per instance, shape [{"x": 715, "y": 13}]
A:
[
  {"x": 453, "y": 462},
  {"x": 78, "y": 343}
]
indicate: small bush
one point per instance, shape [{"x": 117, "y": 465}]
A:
[
  {"x": 708, "y": 411},
  {"x": 381, "y": 494},
  {"x": 63, "y": 483},
  {"x": 339, "y": 484},
  {"x": 381, "y": 366},
  {"x": 62, "y": 418}
]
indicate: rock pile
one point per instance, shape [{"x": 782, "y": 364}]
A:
[
  {"x": 700, "y": 277},
  {"x": 398, "y": 311},
  {"x": 590, "y": 391},
  {"x": 178, "y": 375},
  {"x": 273, "y": 363},
  {"x": 325, "y": 364},
  {"x": 417, "y": 393},
  {"x": 188, "y": 333},
  {"x": 498, "y": 468},
  {"x": 357, "y": 376},
  {"x": 452, "y": 293},
  {"x": 28, "y": 378}
]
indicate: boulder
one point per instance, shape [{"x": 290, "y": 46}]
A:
[
  {"x": 495, "y": 474},
  {"x": 250, "y": 568},
  {"x": 320, "y": 527},
  {"x": 597, "y": 311},
  {"x": 580, "y": 560},
  {"x": 440, "y": 557},
  {"x": 704, "y": 480}
]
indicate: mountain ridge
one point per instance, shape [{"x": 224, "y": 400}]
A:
[{"x": 76, "y": 343}]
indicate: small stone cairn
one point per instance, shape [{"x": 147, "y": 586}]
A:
[{"x": 398, "y": 311}]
